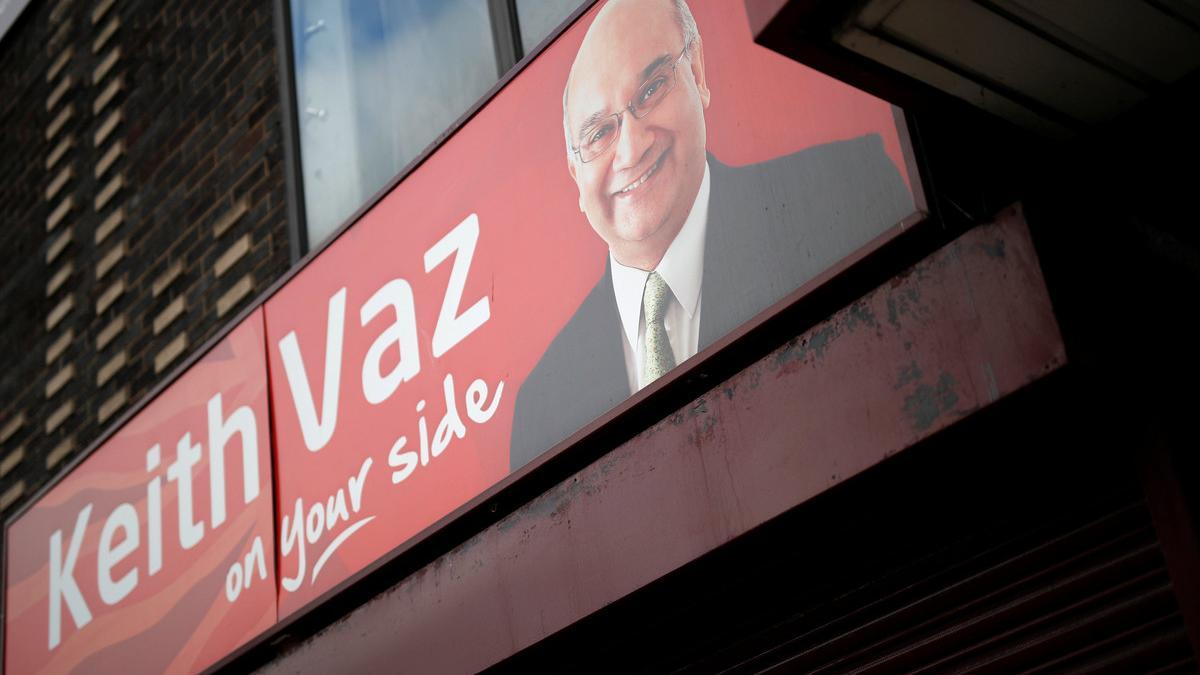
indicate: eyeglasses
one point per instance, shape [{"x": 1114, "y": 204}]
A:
[{"x": 600, "y": 135}]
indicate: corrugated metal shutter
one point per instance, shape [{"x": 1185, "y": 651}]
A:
[
  {"x": 1019, "y": 541},
  {"x": 1087, "y": 595}
]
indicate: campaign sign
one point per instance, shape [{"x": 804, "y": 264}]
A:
[
  {"x": 156, "y": 554},
  {"x": 649, "y": 183}
]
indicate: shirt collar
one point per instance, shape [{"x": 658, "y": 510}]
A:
[{"x": 682, "y": 267}]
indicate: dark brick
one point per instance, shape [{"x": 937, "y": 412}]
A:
[{"x": 200, "y": 129}]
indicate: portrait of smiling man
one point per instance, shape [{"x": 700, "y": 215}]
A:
[{"x": 695, "y": 248}]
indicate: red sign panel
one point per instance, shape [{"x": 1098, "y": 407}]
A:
[
  {"x": 648, "y": 184},
  {"x": 157, "y": 553}
]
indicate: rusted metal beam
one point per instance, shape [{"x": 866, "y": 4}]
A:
[{"x": 968, "y": 325}]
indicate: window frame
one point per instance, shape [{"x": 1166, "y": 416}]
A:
[{"x": 511, "y": 59}]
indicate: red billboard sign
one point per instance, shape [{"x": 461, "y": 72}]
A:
[
  {"x": 647, "y": 185},
  {"x": 156, "y": 554},
  {"x": 650, "y": 182}
]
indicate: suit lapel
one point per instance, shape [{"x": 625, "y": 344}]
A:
[
  {"x": 607, "y": 370},
  {"x": 717, "y": 287}
]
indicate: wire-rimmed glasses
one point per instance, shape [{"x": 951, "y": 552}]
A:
[{"x": 599, "y": 133}]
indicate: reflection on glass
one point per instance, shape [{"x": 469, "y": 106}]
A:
[
  {"x": 377, "y": 81},
  {"x": 539, "y": 17}
]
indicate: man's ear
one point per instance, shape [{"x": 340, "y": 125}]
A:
[
  {"x": 573, "y": 169},
  {"x": 697, "y": 64}
]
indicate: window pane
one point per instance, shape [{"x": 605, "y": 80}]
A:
[
  {"x": 377, "y": 81},
  {"x": 538, "y": 17}
]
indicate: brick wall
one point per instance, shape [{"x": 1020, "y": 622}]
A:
[{"x": 142, "y": 204}]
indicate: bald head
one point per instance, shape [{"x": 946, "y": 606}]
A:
[
  {"x": 635, "y": 97},
  {"x": 684, "y": 21}
]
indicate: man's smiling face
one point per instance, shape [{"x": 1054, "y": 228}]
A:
[{"x": 638, "y": 192}]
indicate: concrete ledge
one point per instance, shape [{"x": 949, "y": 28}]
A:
[
  {"x": 58, "y": 246},
  {"x": 110, "y": 332},
  {"x": 11, "y": 460},
  {"x": 169, "y": 275},
  {"x": 60, "y": 451},
  {"x": 110, "y": 368},
  {"x": 101, "y": 9},
  {"x": 59, "y": 63},
  {"x": 110, "y": 123},
  {"x": 60, "y": 415},
  {"x": 60, "y": 181},
  {"x": 59, "y": 346},
  {"x": 169, "y": 353},
  {"x": 59, "y": 213},
  {"x": 12, "y": 426},
  {"x": 60, "y": 310},
  {"x": 111, "y": 155},
  {"x": 106, "y": 64},
  {"x": 110, "y": 224},
  {"x": 108, "y": 191},
  {"x": 106, "y": 34},
  {"x": 59, "y": 150},
  {"x": 59, "y": 121},
  {"x": 236, "y": 293},
  {"x": 59, "y": 91},
  {"x": 105, "y": 97},
  {"x": 110, "y": 295},
  {"x": 60, "y": 277},
  {"x": 231, "y": 255},
  {"x": 60, "y": 380},
  {"x": 171, "y": 312},
  {"x": 110, "y": 259},
  {"x": 60, "y": 11},
  {"x": 12, "y": 494},
  {"x": 113, "y": 404},
  {"x": 230, "y": 217}
]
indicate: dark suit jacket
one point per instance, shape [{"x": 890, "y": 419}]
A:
[{"x": 771, "y": 227}]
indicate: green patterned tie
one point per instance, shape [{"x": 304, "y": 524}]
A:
[{"x": 658, "y": 357}]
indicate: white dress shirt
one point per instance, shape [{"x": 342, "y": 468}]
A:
[{"x": 682, "y": 267}]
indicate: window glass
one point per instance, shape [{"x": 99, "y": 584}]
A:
[
  {"x": 376, "y": 82},
  {"x": 539, "y": 17}
]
